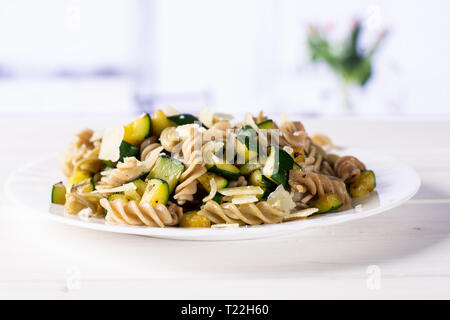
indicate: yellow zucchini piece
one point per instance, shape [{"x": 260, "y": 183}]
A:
[
  {"x": 193, "y": 220},
  {"x": 205, "y": 180},
  {"x": 363, "y": 185},
  {"x": 160, "y": 122},
  {"x": 77, "y": 176},
  {"x": 86, "y": 185},
  {"x": 138, "y": 130},
  {"x": 156, "y": 192}
]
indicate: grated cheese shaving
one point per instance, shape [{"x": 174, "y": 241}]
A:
[
  {"x": 171, "y": 111},
  {"x": 223, "y": 117},
  {"x": 239, "y": 191},
  {"x": 86, "y": 213},
  {"x": 98, "y": 135},
  {"x": 302, "y": 214},
  {"x": 281, "y": 199},
  {"x": 110, "y": 147},
  {"x": 249, "y": 120},
  {"x": 241, "y": 199},
  {"x": 206, "y": 117},
  {"x": 188, "y": 130},
  {"x": 123, "y": 188}
]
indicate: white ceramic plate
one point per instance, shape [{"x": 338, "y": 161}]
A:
[{"x": 396, "y": 183}]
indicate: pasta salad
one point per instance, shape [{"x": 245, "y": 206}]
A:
[{"x": 179, "y": 170}]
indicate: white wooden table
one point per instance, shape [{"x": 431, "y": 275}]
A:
[{"x": 403, "y": 253}]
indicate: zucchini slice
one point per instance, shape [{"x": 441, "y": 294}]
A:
[
  {"x": 192, "y": 220},
  {"x": 246, "y": 144},
  {"x": 168, "y": 169},
  {"x": 277, "y": 166},
  {"x": 184, "y": 118},
  {"x": 140, "y": 186},
  {"x": 267, "y": 124},
  {"x": 77, "y": 176},
  {"x": 156, "y": 192},
  {"x": 160, "y": 122},
  {"x": 228, "y": 171},
  {"x": 258, "y": 179},
  {"x": 363, "y": 185},
  {"x": 138, "y": 130},
  {"x": 59, "y": 193},
  {"x": 249, "y": 167},
  {"x": 205, "y": 179},
  {"x": 127, "y": 150},
  {"x": 120, "y": 196},
  {"x": 327, "y": 202},
  {"x": 86, "y": 185}
]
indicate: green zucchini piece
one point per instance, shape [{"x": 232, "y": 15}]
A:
[
  {"x": 109, "y": 163},
  {"x": 228, "y": 171},
  {"x": 127, "y": 150},
  {"x": 258, "y": 179},
  {"x": 205, "y": 179},
  {"x": 363, "y": 185},
  {"x": 249, "y": 167},
  {"x": 218, "y": 198},
  {"x": 59, "y": 193},
  {"x": 168, "y": 169},
  {"x": 138, "y": 130},
  {"x": 267, "y": 124},
  {"x": 278, "y": 165},
  {"x": 246, "y": 144},
  {"x": 327, "y": 202},
  {"x": 156, "y": 192},
  {"x": 184, "y": 118}
]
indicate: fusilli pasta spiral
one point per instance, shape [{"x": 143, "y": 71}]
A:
[
  {"x": 128, "y": 170},
  {"x": 136, "y": 214},
  {"x": 81, "y": 152},
  {"x": 310, "y": 184},
  {"x": 147, "y": 146},
  {"x": 169, "y": 138},
  {"x": 348, "y": 168},
  {"x": 293, "y": 134},
  {"x": 251, "y": 214}
]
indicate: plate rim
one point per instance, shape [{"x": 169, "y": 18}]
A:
[{"x": 209, "y": 234}]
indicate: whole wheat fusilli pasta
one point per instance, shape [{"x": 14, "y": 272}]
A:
[
  {"x": 348, "y": 168},
  {"x": 310, "y": 184},
  {"x": 251, "y": 214},
  {"x": 134, "y": 213}
]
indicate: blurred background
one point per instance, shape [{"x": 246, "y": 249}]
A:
[{"x": 326, "y": 58}]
